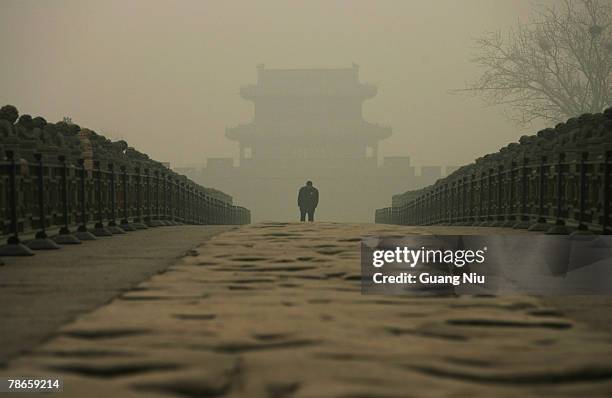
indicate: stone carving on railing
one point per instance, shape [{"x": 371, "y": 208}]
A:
[
  {"x": 62, "y": 176},
  {"x": 556, "y": 181}
]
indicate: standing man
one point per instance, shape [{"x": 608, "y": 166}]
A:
[{"x": 308, "y": 199}]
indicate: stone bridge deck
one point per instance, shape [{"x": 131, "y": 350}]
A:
[{"x": 275, "y": 310}]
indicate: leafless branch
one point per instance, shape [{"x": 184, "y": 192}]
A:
[{"x": 557, "y": 66}]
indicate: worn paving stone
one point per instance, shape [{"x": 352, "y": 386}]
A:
[
  {"x": 39, "y": 294},
  {"x": 272, "y": 310}
]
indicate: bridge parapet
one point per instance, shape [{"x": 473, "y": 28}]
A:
[
  {"x": 557, "y": 181},
  {"x": 61, "y": 176}
]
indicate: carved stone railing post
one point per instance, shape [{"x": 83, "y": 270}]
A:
[
  {"x": 99, "y": 229},
  {"x": 210, "y": 210},
  {"x": 137, "y": 220},
  {"x": 160, "y": 201},
  {"x": 191, "y": 210},
  {"x": 177, "y": 201},
  {"x": 198, "y": 204},
  {"x": 41, "y": 240},
  {"x": 439, "y": 205},
  {"x": 14, "y": 247},
  {"x": 583, "y": 193},
  {"x": 65, "y": 237},
  {"x": 206, "y": 205},
  {"x": 498, "y": 219},
  {"x": 472, "y": 187},
  {"x": 180, "y": 201},
  {"x": 171, "y": 201},
  {"x": 171, "y": 215},
  {"x": 194, "y": 205},
  {"x": 157, "y": 220},
  {"x": 481, "y": 191},
  {"x": 148, "y": 220},
  {"x": 464, "y": 202},
  {"x": 605, "y": 222},
  {"x": 509, "y": 197},
  {"x": 488, "y": 202},
  {"x": 443, "y": 204},
  {"x": 190, "y": 204},
  {"x": 125, "y": 221},
  {"x": 112, "y": 193},
  {"x": 559, "y": 228},
  {"x": 186, "y": 201},
  {"x": 541, "y": 224},
  {"x": 422, "y": 218},
  {"x": 164, "y": 214},
  {"x": 411, "y": 213},
  {"x": 82, "y": 233},
  {"x": 523, "y": 223},
  {"x": 461, "y": 204},
  {"x": 450, "y": 202},
  {"x": 204, "y": 208}
]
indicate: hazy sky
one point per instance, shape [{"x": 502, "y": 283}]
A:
[{"x": 165, "y": 75}]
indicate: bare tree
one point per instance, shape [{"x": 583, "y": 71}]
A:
[{"x": 557, "y": 66}]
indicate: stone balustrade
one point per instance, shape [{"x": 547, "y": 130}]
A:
[
  {"x": 557, "y": 181},
  {"x": 62, "y": 176}
]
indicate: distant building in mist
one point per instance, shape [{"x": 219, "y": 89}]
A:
[
  {"x": 431, "y": 173},
  {"x": 308, "y": 125}
]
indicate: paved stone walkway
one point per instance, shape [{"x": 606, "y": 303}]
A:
[
  {"x": 275, "y": 310},
  {"x": 39, "y": 294}
]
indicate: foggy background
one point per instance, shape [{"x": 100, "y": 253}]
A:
[{"x": 165, "y": 75}]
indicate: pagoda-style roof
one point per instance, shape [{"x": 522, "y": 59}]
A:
[
  {"x": 322, "y": 105},
  {"x": 307, "y": 83}
]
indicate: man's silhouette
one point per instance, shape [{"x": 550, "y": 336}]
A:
[{"x": 308, "y": 199}]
